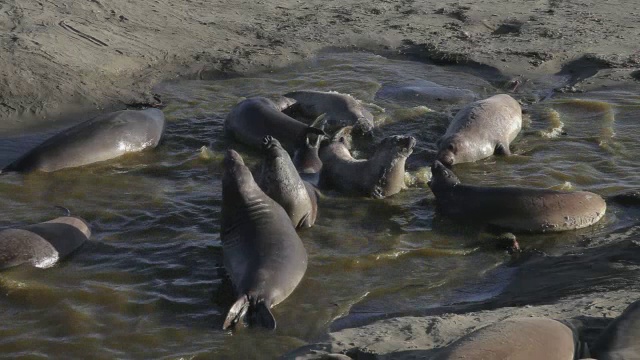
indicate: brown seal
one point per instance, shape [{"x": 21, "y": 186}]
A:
[
  {"x": 513, "y": 208},
  {"x": 380, "y": 176},
  {"x": 481, "y": 129},
  {"x": 280, "y": 180},
  {"x": 621, "y": 339}
]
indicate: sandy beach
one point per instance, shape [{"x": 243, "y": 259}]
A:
[{"x": 66, "y": 58}]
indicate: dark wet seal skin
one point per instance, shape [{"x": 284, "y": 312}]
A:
[
  {"x": 380, "y": 176},
  {"x": 280, "y": 180},
  {"x": 340, "y": 109},
  {"x": 42, "y": 245},
  {"x": 263, "y": 255},
  {"x": 102, "y": 138},
  {"x": 481, "y": 129},
  {"x": 254, "y": 118},
  {"x": 512, "y": 208},
  {"x": 515, "y": 339},
  {"x": 621, "y": 339}
]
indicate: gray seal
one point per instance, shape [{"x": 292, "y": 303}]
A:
[
  {"x": 514, "y": 208},
  {"x": 481, "y": 129},
  {"x": 379, "y": 176},
  {"x": 280, "y": 180},
  {"x": 515, "y": 339},
  {"x": 307, "y": 159},
  {"x": 340, "y": 110},
  {"x": 254, "y": 118},
  {"x": 263, "y": 255},
  {"x": 621, "y": 339},
  {"x": 102, "y": 138},
  {"x": 42, "y": 245}
]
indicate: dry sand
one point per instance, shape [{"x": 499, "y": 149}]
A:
[{"x": 64, "y": 56}]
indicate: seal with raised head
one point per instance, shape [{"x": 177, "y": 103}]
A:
[
  {"x": 280, "y": 180},
  {"x": 43, "y": 244},
  {"x": 102, "y": 138},
  {"x": 621, "y": 339},
  {"x": 254, "y": 118},
  {"x": 514, "y": 208},
  {"x": 262, "y": 252},
  {"x": 515, "y": 339},
  {"x": 380, "y": 176},
  {"x": 340, "y": 110},
  {"x": 481, "y": 129}
]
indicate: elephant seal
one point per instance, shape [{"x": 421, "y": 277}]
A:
[
  {"x": 102, "y": 138},
  {"x": 481, "y": 129},
  {"x": 380, "y": 176},
  {"x": 43, "y": 244},
  {"x": 340, "y": 109},
  {"x": 424, "y": 93},
  {"x": 621, "y": 339},
  {"x": 263, "y": 255},
  {"x": 515, "y": 339},
  {"x": 307, "y": 159},
  {"x": 280, "y": 180},
  {"x": 512, "y": 208},
  {"x": 254, "y": 118}
]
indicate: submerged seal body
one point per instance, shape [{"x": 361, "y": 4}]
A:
[
  {"x": 281, "y": 182},
  {"x": 380, "y": 176},
  {"x": 254, "y": 118},
  {"x": 263, "y": 254},
  {"x": 424, "y": 93},
  {"x": 43, "y": 244},
  {"x": 516, "y": 209},
  {"x": 515, "y": 339},
  {"x": 340, "y": 110},
  {"x": 101, "y": 138},
  {"x": 481, "y": 129},
  {"x": 621, "y": 339}
]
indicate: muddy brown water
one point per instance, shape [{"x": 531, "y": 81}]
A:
[{"x": 149, "y": 284}]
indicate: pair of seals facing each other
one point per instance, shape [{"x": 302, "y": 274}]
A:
[
  {"x": 101, "y": 138},
  {"x": 621, "y": 339},
  {"x": 481, "y": 129},
  {"x": 515, "y": 339},
  {"x": 263, "y": 254},
  {"x": 379, "y": 176},
  {"x": 516, "y": 209},
  {"x": 43, "y": 244}
]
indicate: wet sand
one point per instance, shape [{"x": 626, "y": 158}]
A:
[
  {"x": 67, "y": 56},
  {"x": 63, "y": 57}
]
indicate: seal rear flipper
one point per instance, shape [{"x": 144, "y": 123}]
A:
[
  {"x": 260, "y": 314},
  {"x": 237, "y": 312}
]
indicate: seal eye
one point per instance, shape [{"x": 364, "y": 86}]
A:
[{"x": 450, "y": 147}]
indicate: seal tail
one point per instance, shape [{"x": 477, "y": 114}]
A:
[
  {"x": 259, "y": 314},
  {"x": 237, "y": 312}
]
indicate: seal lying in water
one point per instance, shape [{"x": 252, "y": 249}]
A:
[
  {"x": 424, "y": 93},
  {"x": 263, "y": 254},
  {"x": 340, "y": 109},
  {"x": 515, "y": 339},
  {"x": 101, "y": 138},
  {"x": 621, "y": 339},
  {"x": 281, "y": 182},
  {"x": 516, "y": 209},
  {"x": 380, "y": 176},
  {"x": 481, "y": 129},
  {"x": 43, "y": 244},
  {"x": 254, "y": 118},
  {"x": 307, "y": 159}
]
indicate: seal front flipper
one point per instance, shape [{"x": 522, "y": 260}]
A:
[
  {"x": 260, "y": 314},
  {"x": 501, "y": 149},
  {"x": 237, "y": 312}
]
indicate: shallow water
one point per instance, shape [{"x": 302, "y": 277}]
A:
[{"x": 149, "y": 283}]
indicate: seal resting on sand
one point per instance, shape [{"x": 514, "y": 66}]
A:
[
  {"x": 254, "y": 118},
  {"x": 621, "y": 339},
  {"x": 481, "y": 129},
  {"x": 101, "y": 138},
  {"x": 43, "y": 244},
  {"x": 516, "y": 209},
  {"x": 263, "y": 255},
  {"x": 380, "y": 176},
  {"x": 280, "y": 180},
  {"x": 340, "y": 109},
  {"x": 515, "y": 339}
]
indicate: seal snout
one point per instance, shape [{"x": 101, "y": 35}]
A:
[
  {"x": 445, "y": 158},
  {"x": 232, "y": 158}
]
